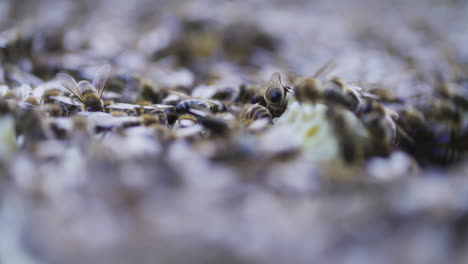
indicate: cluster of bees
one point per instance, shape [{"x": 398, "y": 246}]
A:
[
  {"x": 432, "y": 129},
  {"x": 63, "y": 102},
  {"x": 436, "y": 125}
]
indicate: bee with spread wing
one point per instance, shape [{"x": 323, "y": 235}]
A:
[{"x": 89, "y": 94}]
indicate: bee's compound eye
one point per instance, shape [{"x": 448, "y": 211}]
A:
[{"x": 276, "y": 97}]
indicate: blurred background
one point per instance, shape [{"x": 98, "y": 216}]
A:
[{"x": 89, "y": 217}]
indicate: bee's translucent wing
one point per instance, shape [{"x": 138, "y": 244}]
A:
[
  {"x": 325, "y": 69},
  {"x": 101, "y": 77},
  {"x": 292, "y": 77},
  {"x": 354, "y": 87},
  {"x": 24, "y": 91},
  {"x": 65, "y": 100},
  {"x": 85, "y": 84},
  {"x": 3, "y": 90},
  {"x": 370, "y": 95},
  {"x": 367, "y": 86},
  {"x": 38, "y": 92},
  {"x": 70, "y": 84}
]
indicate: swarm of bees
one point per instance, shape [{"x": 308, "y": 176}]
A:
[
  {"x": 360, "y": 123},
  {"x": 324, "y": 114}
]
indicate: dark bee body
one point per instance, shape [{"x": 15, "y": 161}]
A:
[
  {"x": 309, "y": 90},
  {"x": 380, "y": 123},
  {"x": 172, "y": 115},
  {"x": 151, "y": 93},
  {"x": 259, "y": 100},
  {"x": 454, "y": 94},
  {"x": 226, "y": 93},
  {"x": 433, "y": 143},
  {"x": 343, "y": 131},
  {"x": 385, "y": 95},
  {"x": 245, "y": 94},
  {"x": 54, "y": 110},
  {"x": 334, "y": 97},
  {"x": 147, "y": 120},
  {"x": 91, "y": 101},
  {"x": 186, "y": 105},
  {"x": 214, "y": 125},
  {"x": 444, "y": 110},
  {"x": 332, "y": 93},
  {"x": 254, "y": 112},
  {"x": 436, "y": 132},
  {"x": 154, "y": 116},
  {"x": 47, "y": 97},
  {"x": 352, "y": 96}
]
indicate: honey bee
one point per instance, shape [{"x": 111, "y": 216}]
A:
[
  {"x": 352, "y": 93},
  {"x": 48, "y": 96},
  {"x": 154, "y": 116},
  {"x": 32, "y": 127},
  {"x": 312, "y": 90},
  {"x": 187, "y": 126},
  {"x": 215, "y": 126},
  {"x": 250, "y": 113},
  {"x": 309, "y": 88},
  {"x": 430, "y": 140},
  {"x": 53, "y": 110},
  {"x": 123, "y": 109},
  {"x": 332, "y": 92},
  {"x": 90, "y": 95},
  {"x": 186, "y": 120},
  {"x": 226, "y": 93},
  {"x": 151, "y": 93},
  {"x": 23, "y": 96},
  {"x": 7, "y": 94},
  {"x": 275, "y": 95},
  {"x": 385, "y": 95},
  {"x": 213, "y": 106},
  {"x": 444, "y": 111},
  {"x": 452, "y": 92},
  {"x": 350, "y": 148},
  {"x": 380, "y": 121}
]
